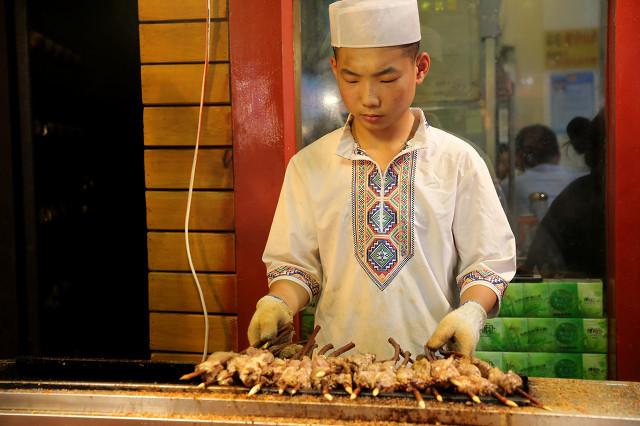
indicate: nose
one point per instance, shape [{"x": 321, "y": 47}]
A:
[{"x": 370, "y": 98}]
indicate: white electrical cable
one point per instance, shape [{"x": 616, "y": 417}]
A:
[{"x": 205, "y": 350}]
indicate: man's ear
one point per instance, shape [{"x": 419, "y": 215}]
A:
[
  {"x": 423, "y": 62},
  {"x": 334, "y": 66}
]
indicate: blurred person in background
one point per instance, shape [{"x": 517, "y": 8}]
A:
[
  {"x": 570, "y": 239},
  {"x": 572, "y": 151},
  {"x": 538, "y": 154}
]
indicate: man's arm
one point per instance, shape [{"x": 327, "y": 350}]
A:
[
  {"x": 486, "y": 250},
  {"x": 291, "y": 293},
  {"x": 484, "y": 296},
  {"x": 291, "y": 256}
]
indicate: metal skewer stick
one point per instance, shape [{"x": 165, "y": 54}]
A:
[
  {"x": 323, "y": 350},
  {"x": 418, "y": 396},
  {"x": 407, "y": 358},
  {"x": 309, "y": 344},
  {"x": 255, "y": 389},
  {"x": 437, "y": 395},
  {"x": 396, "y": 348},
  {"x": 504, "y": 400},
  {"x": 325, "y": 392},
  {"x": 342, "y": 350},
  {"x": 533, "y": 400},
  {"x": 355, "y": 393}
]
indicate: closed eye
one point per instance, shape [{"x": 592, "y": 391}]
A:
[{"x": 388, "y": 81}]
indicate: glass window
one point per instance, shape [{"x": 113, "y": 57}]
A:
[{"x": 522, "y": 82}]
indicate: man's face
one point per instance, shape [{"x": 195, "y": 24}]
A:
[{"x": 378, "y": 84}]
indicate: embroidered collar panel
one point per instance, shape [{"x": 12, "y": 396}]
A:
[{"x": 348, "y": 148}]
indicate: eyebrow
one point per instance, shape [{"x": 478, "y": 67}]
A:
[{"x": 388, "y": 70}]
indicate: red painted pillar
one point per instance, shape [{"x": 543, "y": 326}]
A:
[
  {"x": 623, "y": 195},
  {"x": 262, "y": 102}
]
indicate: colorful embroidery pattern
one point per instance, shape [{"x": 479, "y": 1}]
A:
[
  {"x": 300, "y": 275},
  {"x": 382, "y": 217},
  {"x": 485, "y": 275}
]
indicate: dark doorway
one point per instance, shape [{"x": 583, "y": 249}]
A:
[{"x": 74, "y": 184}]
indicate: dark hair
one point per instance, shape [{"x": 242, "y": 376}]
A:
[
  {"x": 578, "y": 132},
  {"x": 537, "y": 144},
  {"x": 411, "y": 49},
  {"x": 594, "y": 150},
  {"x": 503, "y": 147}
]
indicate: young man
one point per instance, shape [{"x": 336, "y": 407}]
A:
[{"x": 388, "y": 223}]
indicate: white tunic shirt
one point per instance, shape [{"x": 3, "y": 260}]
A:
[{"x": 388, "y": 253}]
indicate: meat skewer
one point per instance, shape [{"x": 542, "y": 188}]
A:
[
  {"x": 210, "y": 369},
  {"x": 377, "y": 376},
  {"x": 321, "y": 367},
  {"x": 509, "y": 382},
  {"x": 329, "y": 371},
  {"x": 406, "y": 378},
  {"x": 358, "y": 363},
  {"x": 385, "y": 379},
  {"x": 257, "y": 368}
]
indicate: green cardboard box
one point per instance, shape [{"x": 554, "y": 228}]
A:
[
  {"x": 540, "y": 336},
  {"x": 515, "y": 334},
  {"x": 492, "y": 335},
  {"x": 567, "y": 366},
  {"x": 568, "y": 334},
  {"x": 595, "y": 335},
  {"x": 536, "y": 300},
  {"x": 539, "y": 365},
  {"x": 558, "y": 298},
  {"x": 563, "y": 299},
  {"x": 516, "y": 361},
  {"x": 513, "y": 301},
  {"x": 546, "y": 364},
  {"x": 594, "y": 366},
  {"x": 590, "y": 299}
]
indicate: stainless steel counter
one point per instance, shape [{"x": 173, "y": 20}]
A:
[{"x": 574, "y": 402}]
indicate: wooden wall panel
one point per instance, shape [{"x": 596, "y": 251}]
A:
[
  {"x": 181, "y": 84},
  {"x": 183, "y": 42},
  {"x": 172, "y": 43},
  {"x": 184, "y": 332},
  {"x": 172, "y": 10},
  {"x": 171, "y": 169},
  {"x": 177, "y": 292},
  {"x": 210, "y": 211},
  {"x": 210, "y": 252},
  {"x": 178, "y": 126}
]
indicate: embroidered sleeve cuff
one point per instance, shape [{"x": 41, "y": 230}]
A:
[
  {"x": 298, "y": 276},
  {"x": 485, "y": 278}
]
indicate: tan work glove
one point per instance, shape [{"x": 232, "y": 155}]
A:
[
  {"x": 271, "y": 313},
  {"x": 459, "y": 329}
]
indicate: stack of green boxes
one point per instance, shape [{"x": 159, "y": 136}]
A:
[{"x": 549, "y": 329}]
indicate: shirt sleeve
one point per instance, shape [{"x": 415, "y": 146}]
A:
[
  {"x": 292, "y": 250},
  {"x": 484, "y": 241}
]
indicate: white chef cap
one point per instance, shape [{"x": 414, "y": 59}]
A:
[{"x": 374, "y": 23}]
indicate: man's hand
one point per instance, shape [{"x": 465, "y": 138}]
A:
[
  {"x": 459, "y": 329},
  {"x": 271, "y": 313}
]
